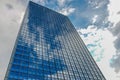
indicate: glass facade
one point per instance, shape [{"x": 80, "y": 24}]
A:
[{"x": 49, "y": 48}]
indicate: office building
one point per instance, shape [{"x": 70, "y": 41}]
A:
[{"x": 48, "y": 47}]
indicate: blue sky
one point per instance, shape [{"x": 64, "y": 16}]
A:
[{"x": 97, "y": 22}]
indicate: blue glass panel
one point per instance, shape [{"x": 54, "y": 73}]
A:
[{"x": 49, "y": 48}]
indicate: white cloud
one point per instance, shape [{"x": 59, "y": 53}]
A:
[
  {"x": 103, "y": 50},
  {"x": 97, "y": 3},
  {"x": 61, "y": 2},
  {"x": 114, "y": 9},
  {"x": 67, "y": 11},
  {"x": 94, "y": 19}
]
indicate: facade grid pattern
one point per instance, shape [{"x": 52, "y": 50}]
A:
[{"x": 49, "y": 48}]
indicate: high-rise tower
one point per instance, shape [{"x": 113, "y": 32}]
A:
[{"x": 49, "y": 48}]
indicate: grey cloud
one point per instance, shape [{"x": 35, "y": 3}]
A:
[
  {"x": 103, "y": 21},
  {"x": 116, "y": 63},
  {"x": 116, "y": 58},
  {"x": 116, "y": 30},
  {"x": 118, "y": 12},
  {"x": 118, "y": 77},
  {"x": 9, "y": 6},
  {"x": 117, "y": 43}
]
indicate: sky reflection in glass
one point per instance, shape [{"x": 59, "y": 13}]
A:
[{"x": 49, "y": 48}]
